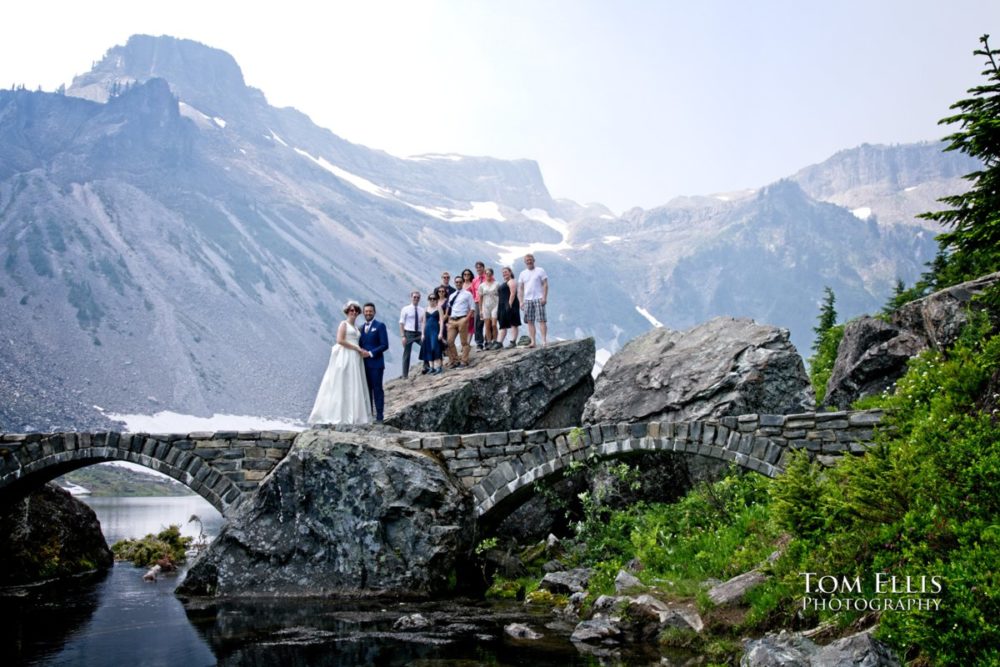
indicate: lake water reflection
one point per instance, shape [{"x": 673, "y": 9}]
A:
[{"x": 116, "y": 618}]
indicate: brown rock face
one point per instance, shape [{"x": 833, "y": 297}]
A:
[
  {"x": 501, "y": 390},
  {"x": 723, "y": 367},
  {"x": 50, "y": 534}
]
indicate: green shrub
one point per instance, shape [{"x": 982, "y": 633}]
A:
[
  {"x": 168, "y": 544},
  {"x": 798, "y": 497}
]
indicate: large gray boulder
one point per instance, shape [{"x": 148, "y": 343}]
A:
[
  {"x": 793, "y": 650},
  {"x": 503, "y": 390},
  {"x": 344, "y": 514},
  {"x": 873, "y": 353},
  {"x": 50, "y": 534},
  {"x": 723, "y": 367},
  {"x": 938, "y": 318}
]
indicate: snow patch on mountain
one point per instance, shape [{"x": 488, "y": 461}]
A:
[
  {"x": 509, "y": 254},
  {"x": 275, "y": 137},
  {"x": 862, "y": 213},
  {"x": 425, "y": 157},
  {"x": 649, "y": 317},
  {"x": 359, "y": 182},
  {"x": 200, "y": 119},
  {"x": 481, "y": 210},
  {"x": 543, "y": 217},
  {"x": 174, "y": 422},
  {"x": 601, "y": 356}
]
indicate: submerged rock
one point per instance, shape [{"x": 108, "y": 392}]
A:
[
  {"x": 50, "y": 534},
  {"x": 723, "y": 367},
  {"x": 344, "y": 514},
  {"x": 597, "y": 631},
  {"x": 521, "y": 631},
  {"x": 502, "y": 390},
  {"x": 415, "y": 621}
]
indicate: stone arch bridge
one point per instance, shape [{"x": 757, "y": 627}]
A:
[{"x": 498, "y": 468}]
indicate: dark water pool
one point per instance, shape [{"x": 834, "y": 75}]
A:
[{"x": 115, "y": 619}]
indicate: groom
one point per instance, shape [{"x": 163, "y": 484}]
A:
[{"x": 374, "y": 341}]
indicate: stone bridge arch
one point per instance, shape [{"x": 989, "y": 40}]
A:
[
  {"x": 500, "y": 468},
  {"x": 219, "y": 466}
]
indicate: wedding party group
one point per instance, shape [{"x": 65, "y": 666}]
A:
[{"x": 477, "y": 310}]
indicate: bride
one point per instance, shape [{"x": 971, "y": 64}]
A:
[{"x": 343, "y": 393}]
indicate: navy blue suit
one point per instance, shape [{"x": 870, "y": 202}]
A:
[{"x": 375, "y": 339}]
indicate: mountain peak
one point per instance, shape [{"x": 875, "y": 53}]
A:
[
  {"x": 782, "y": 189},
  {"x": 205, "y": 77}
]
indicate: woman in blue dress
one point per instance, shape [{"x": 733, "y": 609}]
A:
[{"x": 431, "y": 347}]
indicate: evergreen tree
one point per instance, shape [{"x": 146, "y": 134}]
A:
[
  {"x": 901, "y": 295},
  {"x": 972, "y": 246},
  {"x": 827, "y": 317},
  {"x": 828, "y": 336}
]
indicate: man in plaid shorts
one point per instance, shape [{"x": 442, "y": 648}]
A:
[{"x": 533, "y": 291}]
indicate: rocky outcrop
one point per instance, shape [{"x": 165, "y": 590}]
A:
[
  {"x": 642, "y": 618},
  {"x": 791, "y": 649},
  {"x": 50, "y": 534},
  {"x": 873, "y": 353},
  {"x": 344, "y": 514},
  {"x": 734, "y": 590},
  {"x": 939, "y": 317},
  {"x": 722, "y": 367},
  {"x": 566, "y": 582},
  {"x": 502, "y": 390}
]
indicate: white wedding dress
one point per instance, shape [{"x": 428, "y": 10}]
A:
[{"x": 343, "y": 393}]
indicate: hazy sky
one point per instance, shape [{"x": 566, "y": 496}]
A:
[{"x": 628, "y": 103}]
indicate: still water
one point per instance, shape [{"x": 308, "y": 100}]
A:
[{"x": 116, "y": 619}]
